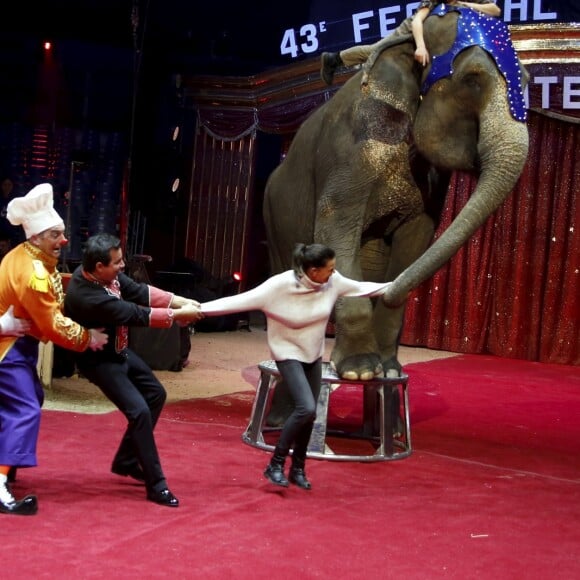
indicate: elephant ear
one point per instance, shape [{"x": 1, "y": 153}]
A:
[{"x": 369, "y": 122}]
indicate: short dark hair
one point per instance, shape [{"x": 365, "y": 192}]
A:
[
  {"x": 98, "y": 249},
  {"x": 311, "y": 256}
]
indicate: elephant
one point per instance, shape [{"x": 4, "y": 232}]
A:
[{"x": 367, "y": 172}]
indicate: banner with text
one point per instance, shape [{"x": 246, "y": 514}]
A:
[{"x": 335, "y": 25}]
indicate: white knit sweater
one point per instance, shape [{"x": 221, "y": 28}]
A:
[{"x": 297, "y": 310}]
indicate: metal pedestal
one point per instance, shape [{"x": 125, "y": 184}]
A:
[{"x": 385, "y": 416}]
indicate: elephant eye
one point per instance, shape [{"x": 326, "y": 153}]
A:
[{"x": 471, "y": 80}]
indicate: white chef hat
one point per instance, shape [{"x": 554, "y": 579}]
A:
[{"x": 35, "y": 211}]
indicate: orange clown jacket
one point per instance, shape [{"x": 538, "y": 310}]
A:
[{"x": 30, "y": 281}]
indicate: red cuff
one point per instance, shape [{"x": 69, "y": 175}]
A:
[{"x": 161, "y": 318}]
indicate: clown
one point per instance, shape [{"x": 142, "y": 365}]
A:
[{"x": 32, "y": 285}]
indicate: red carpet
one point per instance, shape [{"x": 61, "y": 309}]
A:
[{"x": 492, "y": 490}]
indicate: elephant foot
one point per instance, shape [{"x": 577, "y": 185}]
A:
[
  {"x": 392, "y": 368},
  {"x": 363, "y": 376},
  {"x": 362, "y": 367}
]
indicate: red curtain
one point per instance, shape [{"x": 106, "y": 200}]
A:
[{"x": 513, "y": 289}]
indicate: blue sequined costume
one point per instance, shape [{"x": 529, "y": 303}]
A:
[{"x": 491, "y": 34}]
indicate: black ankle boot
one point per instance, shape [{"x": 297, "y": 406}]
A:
[
  {"x": 275, "y": 470},
  {"x": 297, "y": 475},
  {"x": 329, "y": 61}
]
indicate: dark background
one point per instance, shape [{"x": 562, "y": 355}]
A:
[
  {"x": 115, "y": 65},
  {"x": 115, "y": 56}
]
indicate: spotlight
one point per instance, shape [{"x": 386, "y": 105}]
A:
[
  {"x": 47, "y": 45},
  {"x": 237, "y": 276}
]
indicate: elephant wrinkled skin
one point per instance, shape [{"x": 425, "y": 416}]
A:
[{"x": 367, "y": 174}]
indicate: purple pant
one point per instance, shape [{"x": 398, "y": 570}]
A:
[{"x": 21, "y": 397}]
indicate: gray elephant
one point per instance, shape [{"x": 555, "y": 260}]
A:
[{"x": 368, "y": 171}]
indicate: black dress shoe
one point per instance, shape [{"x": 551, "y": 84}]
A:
[
  {"x": 163, "y": 497},
  {"x": 27, "y": 506},
  {"x": 133, "y": 471}
]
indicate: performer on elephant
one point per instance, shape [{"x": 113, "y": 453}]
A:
[
  {"x": 99, "y": 292},
  {"x": 359, "y": 53},
  {"x": 297, "y": 304},
  {"x": 31, "y": 285}
]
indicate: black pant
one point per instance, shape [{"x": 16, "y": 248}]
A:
[
  {"x": 133, "y": 388},
  {"x": 303, "y": 383}
]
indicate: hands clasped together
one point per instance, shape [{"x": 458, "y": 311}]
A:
[{"x": 186, "y": 310}]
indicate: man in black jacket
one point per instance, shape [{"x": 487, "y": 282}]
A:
[{"x": 100, "y": 292}]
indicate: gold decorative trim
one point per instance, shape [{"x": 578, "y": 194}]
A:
[
  {"x": 545, "y": 43},
  {"x": 550, "y": 60}
]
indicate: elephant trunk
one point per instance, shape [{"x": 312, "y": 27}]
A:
[{"x": 503, "y": 149}]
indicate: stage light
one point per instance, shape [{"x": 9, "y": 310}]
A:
[
  {"x": 175, "y": 185},
  {"x": 175, "y": 134},
  {"x": 47, "y": 45},
  {"x": 237, "y": 276}
]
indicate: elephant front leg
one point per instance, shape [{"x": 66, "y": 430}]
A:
[
  {"x": 407, "y": 243},
  {"x": 388, "y": 323},
  {"x": 378, "y": 263},
  {"x": 355, "y": 353}
]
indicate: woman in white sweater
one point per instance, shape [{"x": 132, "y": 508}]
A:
[{"x": 297, "y": 304}]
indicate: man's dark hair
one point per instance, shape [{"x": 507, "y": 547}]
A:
[{"x": 98, "y": 249}]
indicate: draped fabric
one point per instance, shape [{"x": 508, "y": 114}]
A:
[
  {"x": 232, "y": 124},
  {"x": 512, "y": 290}
]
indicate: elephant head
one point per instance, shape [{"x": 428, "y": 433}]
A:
[
  {"x": 368, "y": 171},
  {"x": 466, "y": 122}
]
